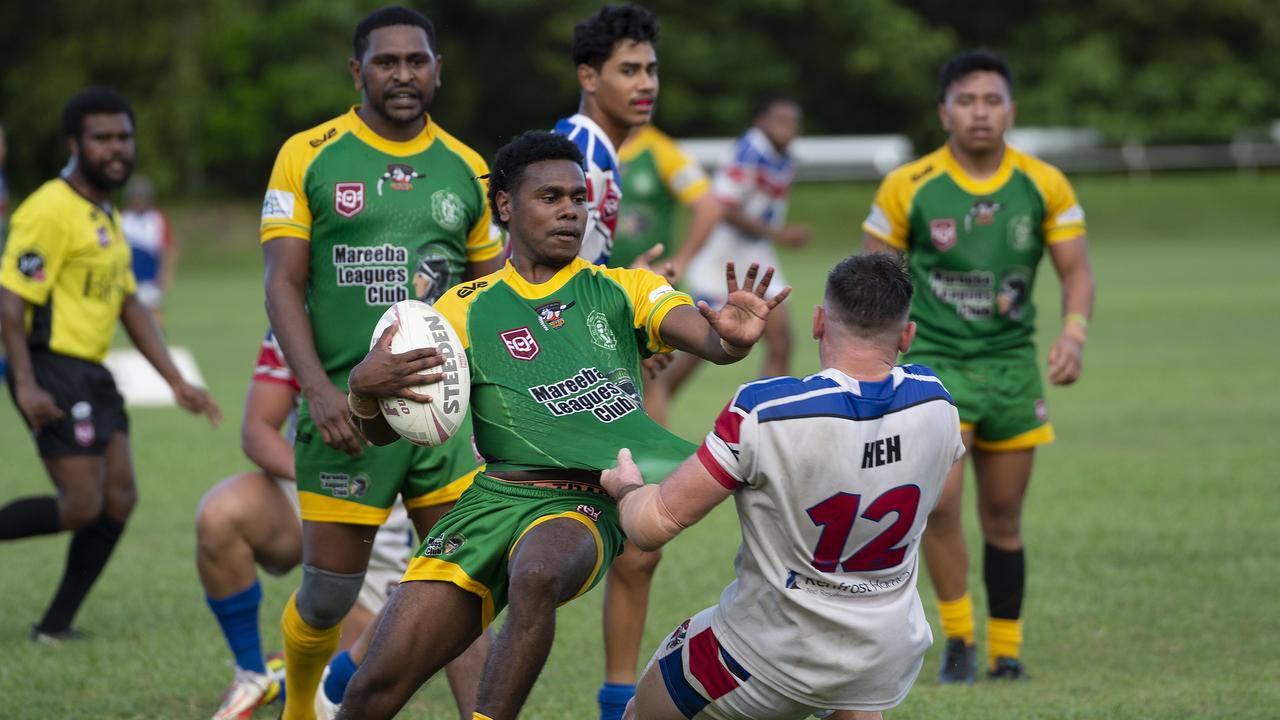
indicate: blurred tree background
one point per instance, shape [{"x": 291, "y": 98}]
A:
[{"x": 219, "y": 84}]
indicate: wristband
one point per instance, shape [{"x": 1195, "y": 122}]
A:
[
  {"x": 362, "y": 407},
  {"x": 1078, "y": 319},
  {"x": 734, "y": 351}
]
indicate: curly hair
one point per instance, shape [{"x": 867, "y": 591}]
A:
[
  {"x": 595, "y": 37},
  {"x": 92, "y": 101},
  {"x": 388, "y": 17},
  {"x": 510, "y": 161},
  {"x": 971, "y": 61}
]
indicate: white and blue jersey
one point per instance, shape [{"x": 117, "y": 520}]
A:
[
  {"x": 604, "y": 185},
  {"x": 150, "y": 238},
  {"x": 834, "y": 480}
]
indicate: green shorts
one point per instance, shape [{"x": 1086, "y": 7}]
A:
[
  {"x": 471, "y": 545},
  {"x": 1000, "y": 398},
  {"x": 335, "y": 487}
]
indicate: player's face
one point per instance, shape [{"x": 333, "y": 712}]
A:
[
  {"x": 399, "y": 73},
  {"x": 546, "y": 214},
  {"x": 977, "y": 112},
  {"x": 781, "y": 124},
  {"x": 626, "y": 86},
  {"x": 105, "y": 150}
]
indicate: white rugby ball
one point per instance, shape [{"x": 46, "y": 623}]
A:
[{"x": 434, "y": 422}]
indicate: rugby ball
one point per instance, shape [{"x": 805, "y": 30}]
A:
[{"x": 420, "y": 326}]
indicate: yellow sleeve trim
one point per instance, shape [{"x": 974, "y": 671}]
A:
[
  {"x": 429, "y": 568},
  {"x": 442, "y": 496},
  {"x": 279, "y": 230},
  {"x": 321, "y": 508},
  {"x": 1064, "y": 233},
  {"x": 589, "y": 524},
  {"x": 1042, "y": 435},
  {"x": 886, "y": 239},
  {"x": 659, "y": 313}
]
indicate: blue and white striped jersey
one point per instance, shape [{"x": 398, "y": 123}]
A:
[{"x": 604, "y": 185}]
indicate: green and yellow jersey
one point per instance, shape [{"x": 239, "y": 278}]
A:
[
  {"x": 657, "y": 177},
  {"x": 974, "y": 246},
  {"x": 67, "y": 257},
  {"x": 555, "y": 367},
  {"x": 387, "y": 221}
]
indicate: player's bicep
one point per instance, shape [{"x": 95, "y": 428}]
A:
[
  {"x": 691, "y": 492},
  {"x": 684, "y": 328},
  {"x": 1070, "y": 256},
  {"x": 288, "y": 263},
  {"x": 269, "y": 403},
  {"x": 34, "y": 255}
]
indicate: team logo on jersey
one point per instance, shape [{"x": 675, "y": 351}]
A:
[
  {"x": 470, "y": 288},
  {"x": 328, "y": 135},
  {"x": 520, "y": 343},
  {"x": 1020, "y": 234},
  {"x": 432, "y": 275},
  {"x": 589, "y": 511},
  {"x": 983, "y": 212},
  {"x": 448, "y": 210},
  {"x": 342, "y": 485},
  {"x": 1015, "y": 291},
  {"x": 348, "y": 198},
  {"x": 676, "y": 638},
  {"x": 943, "y": 233},
  {"x": 82, "y": 417},
  {"x": 600, "y": 331},
  {"x": 277, "y": 205},
  {"x": 1042, "y": 410},
  {"x": 103, "y": 238},
  {"x": 444, "y": 544},
  {"x": 550, "y": 315},
  {"x": 401, "y": 177},
  {"x": 32, "y": 265}
]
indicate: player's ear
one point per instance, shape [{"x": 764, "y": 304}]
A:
[
  {"x": 819, "y": 322},
  {"x": 439, "y": 69},
  {"x": 942, "y": 116},
  {"x": 588, "y": 78},
  {"x": 908, "y": 334},
  {"x": 502, "y": 205},
  {"x": 354, "y": 66},
  {"x": 73, "y": 147}
]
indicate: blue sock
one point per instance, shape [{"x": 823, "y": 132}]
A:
[
  {"x": 341, "y": 668},
  {"x": 238, "y": 616},
  {"x": 613, "y": 698}
]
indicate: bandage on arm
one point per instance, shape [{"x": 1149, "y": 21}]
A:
[{"x": 646, "y": 519}]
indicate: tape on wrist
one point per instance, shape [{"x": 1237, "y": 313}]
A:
[
  {"x": 733, "y": 350},
  {"x": 362, "y": 407}
]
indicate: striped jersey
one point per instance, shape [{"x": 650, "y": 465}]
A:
[
  {"x": 834, "y": 480},
  {"x": 150, "y": 237},
  {"x": 757, "y": 178},
  {"x": 604, "y": 186}
]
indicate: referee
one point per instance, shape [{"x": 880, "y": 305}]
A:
[{"x": 64, "y": 281}]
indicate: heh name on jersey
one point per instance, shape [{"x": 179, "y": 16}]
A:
[
  {"x": 382, "y": 270},
  {"x": 588, "y": 390}
]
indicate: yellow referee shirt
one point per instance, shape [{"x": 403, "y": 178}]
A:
[{"x": 67, "y": 257}]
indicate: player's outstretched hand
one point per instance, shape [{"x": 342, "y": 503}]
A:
[
  {"x": 197, "y": 400},
  {"x": 328, "y": 408},
  {"x": 618, "y": 479},
  {"x": 37, "y": 406},
  {"x": 1066, "y": 358},
  {"x": 383, "y": 373},
  {"x": 741, "y": 321},
  {"x": 645, "y": 262},
  {"x": 655, "y": 364}
]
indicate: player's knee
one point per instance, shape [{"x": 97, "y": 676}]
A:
[
  {"x": 120, "y": 501},
  {"x": 326, "y": 597},
  {"x": 534, "y": 584},
  {"x": 81, "y": 509},
  {"x": 215, "y": 521}
]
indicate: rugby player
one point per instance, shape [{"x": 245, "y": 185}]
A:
[
  {"x": 615, "y": 52},
  {"x": 824, "y": 613},
  {"x": 348, "y": 205},
  {"x": 252, "y": 517},
  {"x": 554, "y": 397},
  {"x": 64, "y": 282},
  {"x": 976, "y": 216}
]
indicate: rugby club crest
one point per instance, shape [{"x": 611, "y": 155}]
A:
[
  {"x": 550, "y": 314},
  {"x": 348, "y": 198},
  {"x": 943, "y": 233},
  {"x": 401, "y": 177},
  {"x": 983, "y": 212},
  {"x": 520, "y": 343}
]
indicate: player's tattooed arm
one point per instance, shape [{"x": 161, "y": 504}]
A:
[
  {"x": 288, "y": 268},
  {"x": 725, "y": 335}
]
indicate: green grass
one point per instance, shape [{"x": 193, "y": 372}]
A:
[{"x": 1150, "y": 526}]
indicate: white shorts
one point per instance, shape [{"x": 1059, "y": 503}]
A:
[
  {"x": 705, "y": 277},
  {"x": 392, "y": 548},
  {"x": 704, "y": 681}
]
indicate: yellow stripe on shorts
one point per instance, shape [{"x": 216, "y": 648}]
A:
[{"x": 427, "y": 568}]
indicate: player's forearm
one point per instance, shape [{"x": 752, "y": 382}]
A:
[
  {"x": 1075, "y": 272},
  {"x": 291, "y": 323},
  {"x": 735, "y": 216},
  {"x": 267, "y": 448},
  {"x": 707, "y": 213},
  {"x": 13, "y": 333},
  {"x": 145, "y": 335}
]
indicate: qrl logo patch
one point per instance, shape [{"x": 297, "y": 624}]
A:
[
  {"x": 520, "y": 343},
  {"x": 943, "y": 233},
  {"x": 591, "y": 512},
  {"x": 348, "y": 198}
]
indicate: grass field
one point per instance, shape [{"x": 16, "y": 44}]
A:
[{"x": 1151, "y": 527}]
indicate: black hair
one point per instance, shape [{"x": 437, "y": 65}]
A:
[
  {"x": 595, "y": 37},
  {"x": 95, "y": 100},
  {"x": 971, "y": 61},
  {"x": 511, "y": 160},
  {"x": 765, "y": 101},
  {"x": 869, "y": 293},
  {"x": 387, "y": 17}
]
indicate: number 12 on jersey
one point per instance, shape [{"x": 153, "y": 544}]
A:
[{"x": 836, "y": 516}]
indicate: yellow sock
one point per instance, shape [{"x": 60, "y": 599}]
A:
[
  {"x": 957, "y": 618},
  {"x": 1004, "y": 639},
  {"x": 306, "y": 653},
  {"x": 480, "y": 716}
]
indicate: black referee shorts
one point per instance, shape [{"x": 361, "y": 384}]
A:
[{"x": 86, "y": 393}]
